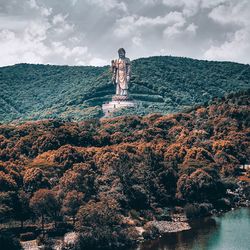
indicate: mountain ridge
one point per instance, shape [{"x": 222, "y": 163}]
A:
[{"x": 160, "y": 84}]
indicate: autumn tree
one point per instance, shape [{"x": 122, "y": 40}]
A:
[
  {"x": 44, "y": 202},
  {"x": 22, "y": 209},
  {"x": 7, "y": 183},
  {"x": 6, "y": 205},
  {"x": 198, "y": 186},
  {"x": 98, "y": 222},
  {"x": 35, "y": 179},
  {"x": 71, "y": 203}
]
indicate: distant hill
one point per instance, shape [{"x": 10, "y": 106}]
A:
[{"x": 160, "y": 84}]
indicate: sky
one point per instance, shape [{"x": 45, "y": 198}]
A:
[{"x": 89, "y": 32}]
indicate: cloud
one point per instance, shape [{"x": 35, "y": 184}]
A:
[
  {"x": 235, "y": 49},
  {"x": 40, "y": 41},
  {"x": 44, "y": 11},
  {"x": 191, "y": 28},
  {"x": 192, "y": 7},
  {"x": 135, "y": 24},
  {"x": 98, "y": 61},
  {"x": 189, "y": 7},
  {"x": 90, "y": 31},
  {"x": 109, "y": 4},
  {"x": 137, "y": 41},
  {"x": 237, "y": 46},
  {"x": 233, "y": 12},
  {"x": 61, "y": 25}
]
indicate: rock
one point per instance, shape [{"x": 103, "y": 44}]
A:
[
  {"x": 70, "y": 238},
  {"x": 30, "y": 245},
  {"x": 170, "y": 226}
]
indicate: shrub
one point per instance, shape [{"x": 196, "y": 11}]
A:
[
  {"x": 9, "y": 242},
  {"x": 151, "y": 232},
  {"x": 223, "y": 204},
  {"x": 27, "y": 236},
  {"x": 197, "y": 210}
]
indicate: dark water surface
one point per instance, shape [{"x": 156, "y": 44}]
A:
[{"x": 230, "y": 231}]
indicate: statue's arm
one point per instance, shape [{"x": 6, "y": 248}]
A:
[{"x": 114, "y": 70}]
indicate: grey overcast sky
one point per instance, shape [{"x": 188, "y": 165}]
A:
[{"x": 89, "y": 32}]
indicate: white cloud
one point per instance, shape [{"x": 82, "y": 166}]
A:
[
  {"x": 233, "y": 12},
  {"x": 135, "y": 24},
  {"x": 191, "y": 28},
  {"x": 59, "y": 18},
  {"x": 237, "y": 47},
  {"x": 98, "y": 62},
  {"x": 36, "y": 31},
  {"x": 190, "y": 7},
  {"x": 137, "y": 41},
  {"x": 61, "y": 25},
  {"x": 17, "y": 50},
  {"x": 212, "y": 3},
  {"x": 34, "y": 43},
  {"x": 76, "y": 32},
  {"x": 74, "y": 2},
  {"x": 43, "y": 10},
  {"x": 109, "y": 4},
  {"x": 149, "y": 2}
]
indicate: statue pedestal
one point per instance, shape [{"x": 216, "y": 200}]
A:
[{"x": 118, "y": 102}]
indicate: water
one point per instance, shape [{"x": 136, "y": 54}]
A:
[{"x": 230, "y": 231}]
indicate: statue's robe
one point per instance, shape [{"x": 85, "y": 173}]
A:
[{"x": 122, "y": 71}]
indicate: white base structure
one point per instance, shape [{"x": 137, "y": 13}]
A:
[{"x": 109, "y": 108}]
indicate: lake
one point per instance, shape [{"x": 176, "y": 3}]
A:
[{"x": 230, "y": 231}]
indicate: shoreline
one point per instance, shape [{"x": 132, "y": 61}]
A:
[{"x": 163, "y": 228}]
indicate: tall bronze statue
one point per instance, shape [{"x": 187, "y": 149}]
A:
[{"x": 121, "y": 72}]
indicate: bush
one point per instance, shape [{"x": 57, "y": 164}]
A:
[
  {"x": 151, "y": 232},
  {"x": 9, "y": 242},
  {"x": 27, "y": 236},
  {"x": 64, "y": 225},
  {"x": 191, "y": 210},
  {"x": 223, "y": 204},
  {"x": 229, "y": 183},
  {"x": 134, "y": 214},
  {"x": 198, "y": 210},
  {"x": 163, "y": 214}
]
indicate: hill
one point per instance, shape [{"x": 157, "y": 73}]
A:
[
  {"x": 159, "y": 84},
  {"x": 120, "y": 173}
]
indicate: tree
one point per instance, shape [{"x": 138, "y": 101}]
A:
[
  {"x": 35, "y": 179},
  {"x": 6, "y": 205},
  {"x": 22, "y": 209},
  {"x": 198, "y": 186},
  {"x": 6, "y": 182},
  {"x": 44, "y": 202},
  {"x": 71, "y": 203},
  {"x": 98, "y": 222}
]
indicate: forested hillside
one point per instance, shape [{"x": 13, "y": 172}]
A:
[
  {"x": 158, "y": 84},
  {"x": 119, "y": 173}
]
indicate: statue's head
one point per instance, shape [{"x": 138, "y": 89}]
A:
[{"x": 121, "y": 52}]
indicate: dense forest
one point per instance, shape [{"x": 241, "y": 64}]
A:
[
  {"x": 160, "y": 84},
  {"x": 105, "y": 177}
]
